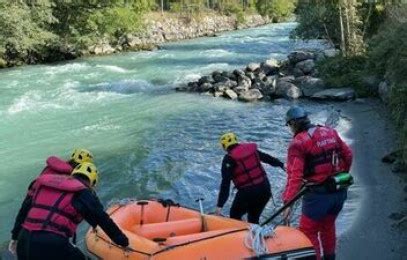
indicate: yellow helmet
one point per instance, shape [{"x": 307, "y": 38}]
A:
[
  {"x": 89, "y": 170},
  {"x": 82, "y": 155},
  {"x": 228, "y": 139}
]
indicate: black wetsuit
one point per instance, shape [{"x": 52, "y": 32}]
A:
[
  {"x": 250, "y": 200},
  {"x": 48, "y": 245}
]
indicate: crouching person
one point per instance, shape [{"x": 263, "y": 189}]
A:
[{"x": 59, "y": 203}]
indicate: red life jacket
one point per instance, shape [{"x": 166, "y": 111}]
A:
[
  {"x": 322, "y": 153},
  {"x": 51, "y": 208},
  {"x": 55, "y": 165},
  {"x": 248, "y": 171}
]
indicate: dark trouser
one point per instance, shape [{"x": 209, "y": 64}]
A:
[
  {"x": 319, "y": 212},
  {"x": 252, "y": 201},
  {"x": 45, "y": 245}
]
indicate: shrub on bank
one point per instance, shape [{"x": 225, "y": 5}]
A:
[
  {"x": 344, "y": 72},
  {"x": 278, "y": 10}
]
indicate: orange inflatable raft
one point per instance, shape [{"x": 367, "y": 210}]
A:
[{"x": 160, "y": 231}]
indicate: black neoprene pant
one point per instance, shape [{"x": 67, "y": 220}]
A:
[
  {"x": 46, "y": 245},
  {"x": 251, "y": 201}
]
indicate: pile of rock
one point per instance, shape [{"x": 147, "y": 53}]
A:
[{"x": 292, "y": 78}]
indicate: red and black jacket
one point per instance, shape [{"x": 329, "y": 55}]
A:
[
  {"x": 51, "y": 208},
  {"x": 233, "y": 169},
  {"x": 314, "y": 155}
]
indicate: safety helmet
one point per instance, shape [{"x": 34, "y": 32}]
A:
[
  {"x": 87, "y": 169},
  {"x": 81, "y": 155},
  {"x": 294, "y": 113},
  {"x": 228, "y": 139}
]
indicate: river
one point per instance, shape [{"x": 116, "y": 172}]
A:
[{"x": 148, "y": 140}]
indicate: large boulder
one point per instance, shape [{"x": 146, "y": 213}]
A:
[
  {"x": 252, "y": 67},
  {"x": 290, "y": 79},
  {"x": 269, "y": 67},
  {"x": 193, "y": 86},
  {"x": 258, "y": 85},
  {"x": 250, "y": 95},
  {"x": 336, "y": 94},
  {"x": 230, "y": 94},
  {"x": 206, "y": 79},
  {"x": 261, "y": 76},
  {"x": 229, "y": 75},
  {"x": 238, "y": 72},
  {"x": 287, "y": 90},
  {"x": 269, "y": 87},
  {"x": 306, "y": 66},
  {"x": 271, "y": 81},
  {"x": 219, "y": 78},
  {"x": 218, "y": 93},
  {"x": 330, "y": 53},
  {"x": 206, "y": 87},
  {"x": 244, "y": 82},
  {"x": 297, "y": 72},
  {"x": 250, "y": 75},
  {"x": 241, "y": 88},
  {"x": 216, "y": 73},
  {"x": 223, "y": 86},
  {"x": 310, "y": 85},
  {"x": 298, "y": 56}
]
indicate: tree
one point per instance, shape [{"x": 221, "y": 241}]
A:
[
  {"x": 23, "y": 32},
  {"x": 276, "y": 9}
]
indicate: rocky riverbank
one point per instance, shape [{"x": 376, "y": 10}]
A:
[
  {"x": 174, "y": 28},
  {"x": 292, "y": 78},
  {"x": 158, "y": 29}
]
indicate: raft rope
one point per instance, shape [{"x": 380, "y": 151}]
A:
[{"x": 255, "y": 239}]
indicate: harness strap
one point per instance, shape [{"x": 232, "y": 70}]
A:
[
  {"x": 57, "y": 211},
  {"x": 61, "y": 228},
  {"x": 52, "y": 211}
]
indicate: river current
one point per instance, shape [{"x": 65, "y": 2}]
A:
[{"x": 148, "y": 140}]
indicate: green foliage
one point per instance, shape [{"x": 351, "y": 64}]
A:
[
  {"x": 340, "y": 72},
  {"x": 318, "y": 22},
  {"x": 22, "y": 34},
  {"x": 278, "y": 10},
  {"x": 388, "y": 52},
  {"x": 388, "y": 58},
  {"x": 231, "y": 8},
  {"x": 114, "y": 21},
  {"x": 339, "y": 22},
  {"x": 373, "y": 16}
]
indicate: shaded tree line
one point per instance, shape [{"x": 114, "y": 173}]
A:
[{"x": 34, "y": 31}]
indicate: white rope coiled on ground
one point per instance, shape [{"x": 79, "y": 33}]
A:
[{"x": 255, "y": 239}]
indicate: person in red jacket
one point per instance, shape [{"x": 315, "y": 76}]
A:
[
  {"x": 59, "y": 203},
  {"x": 315, "y": 154},
  {"x": 242, "y": 166},
  {"x": 54, "y": 165}
]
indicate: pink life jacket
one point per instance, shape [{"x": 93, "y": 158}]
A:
[
  {"x": 55, "y": 165},
  {"x": 52, "y": 208},
  {"x": 248, "y": 171}
]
